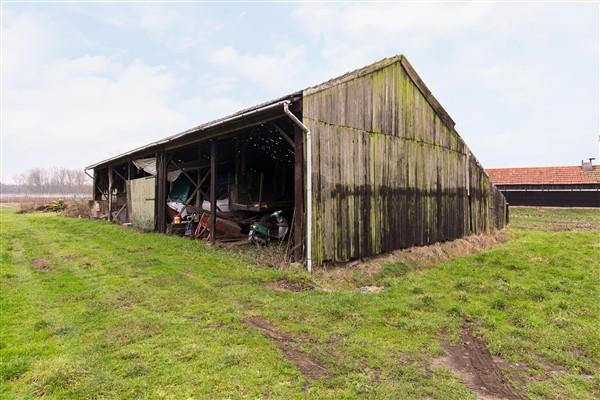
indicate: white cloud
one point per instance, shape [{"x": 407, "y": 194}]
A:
[
  {"x": 275, "y": 71},
  {"x": 165, "y": 24},
  {"x": 26, "y": 42},
  {"x": 357, "y": 21},
  {"x": 352, "y": 35},
  {"x": 154, "y": 18},
  {"x": 91, "y": 115},
  {"x": 73, "y": 111},
  {"x": 506, "y": 73},
  {"x": 520, "y": 79}
]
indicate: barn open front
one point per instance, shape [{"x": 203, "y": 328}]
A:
[{"x": 246, "y": 168}]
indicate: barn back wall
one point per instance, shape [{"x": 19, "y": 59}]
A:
[{"x": 389, "y": 170}]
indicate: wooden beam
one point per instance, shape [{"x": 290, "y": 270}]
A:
[
  {"x": 96, "y": 192},
  {"x": 299, "y": 219},
  {"x": 205, "y": 134},
  {"x": 193, "y": 166},
  {"x": 161, "y": 191},
  {"x": 120, "y": 209},
  {"x": 199, "y": 181},
  {"x": 101, "y": 192},
  {"x": 110, "y": 190},
  {"x": 184, "y": 173},
  {"x": 191, "y": 196},
  {"x": 283, "y": 134},
  {"x": 213, "y": 191},
  {"x": 225, "y": 129},
  {"x": 206, "y": 175},
  {"x": 120, "y": 176},
  {"x": 199, "y": 190},
  {"x": 260, "y": 188}
]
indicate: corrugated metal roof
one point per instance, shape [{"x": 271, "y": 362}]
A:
[{"x": 197, "y": 130}]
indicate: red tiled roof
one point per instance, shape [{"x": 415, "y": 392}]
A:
[{"x": 544, "y": 175}]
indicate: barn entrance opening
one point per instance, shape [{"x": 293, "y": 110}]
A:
[{"x": 249, "y": 177}]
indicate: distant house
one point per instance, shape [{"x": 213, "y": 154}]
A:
[
  {"x": 571, "y": 186},
  {"x": 360, "y": 165}
]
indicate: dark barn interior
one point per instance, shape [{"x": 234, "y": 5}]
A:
[{"x": 249, "y": 172}]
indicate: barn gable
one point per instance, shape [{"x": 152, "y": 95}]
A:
[{"x": 389, "y": 170}]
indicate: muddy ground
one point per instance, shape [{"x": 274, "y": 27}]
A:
[
  {"x": 472, "y": 363},
  {"x": 288, "y": 345},
  {"x": 41, "y": 264}
]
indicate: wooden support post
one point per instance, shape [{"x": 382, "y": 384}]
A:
[
  {"x": 96, "y": 193},
  {"x": 234, "y": 192},
  {"x": 161, "y": 191},
  {"x": 299, "y": 218},
  {"x": 198, "y": 180},
  {"x": 213, "y": 191},
  {"x": 260, "y": 189},
  {"x": 110, "y": 195}
]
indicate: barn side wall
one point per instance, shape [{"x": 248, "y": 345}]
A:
[{"x": 388, "y": 172}]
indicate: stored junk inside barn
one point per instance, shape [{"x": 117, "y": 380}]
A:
[{"x": 360, "y": 165}]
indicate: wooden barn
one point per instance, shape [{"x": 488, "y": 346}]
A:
[
  {"x": 360, "y": 165},
  {"x": 564, "y": 186}
]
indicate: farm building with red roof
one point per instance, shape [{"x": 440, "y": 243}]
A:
[{"x": 569, "y": 186}]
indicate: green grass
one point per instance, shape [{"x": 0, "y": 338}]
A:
[
  {"x": 555, "y": 219},
  {"x": 128, "y": 315}
]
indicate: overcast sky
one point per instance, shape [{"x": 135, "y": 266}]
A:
[{"x": 82, "y": 82}]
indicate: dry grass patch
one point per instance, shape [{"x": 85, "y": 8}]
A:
[
  {"x": 365, "y": 273},
  {"x": 284, "y": 285}
]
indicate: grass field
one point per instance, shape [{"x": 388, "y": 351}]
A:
[{"x": 94, "y": 310}]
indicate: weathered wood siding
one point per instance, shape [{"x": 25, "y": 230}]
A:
[
  {"x": 389, "y": 171},
  {"x": 140, "y": 202}
]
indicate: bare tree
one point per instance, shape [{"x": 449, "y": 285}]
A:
[
  {"x": 53, "y": 180},
  {"x": 20, "y": 179}
]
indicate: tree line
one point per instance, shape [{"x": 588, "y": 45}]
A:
[{"x": 54, "y": 180}]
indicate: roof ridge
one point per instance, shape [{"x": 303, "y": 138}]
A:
[{"x": 540, "y": 167}]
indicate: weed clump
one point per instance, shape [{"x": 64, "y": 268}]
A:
[{"x": 56, "y": 206}]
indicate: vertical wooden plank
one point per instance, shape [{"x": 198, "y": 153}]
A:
[
  {"x": 371, "y": 229},
  {"x": 96, "y": 194},
  {"x": 130, "y": 171},
  {"x": 213, "y": 191},
  {"x": 110, "y": 195},
  {"x": 161, "y": 191},
  {"x": 329, "y": 237},
  {"x": 198, "y": 200},
  {"x": 337, "y": 218},
  {"x": 317, "y": 209}
]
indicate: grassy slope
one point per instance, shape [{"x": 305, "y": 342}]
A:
[{"x": 130, "y": 315}]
